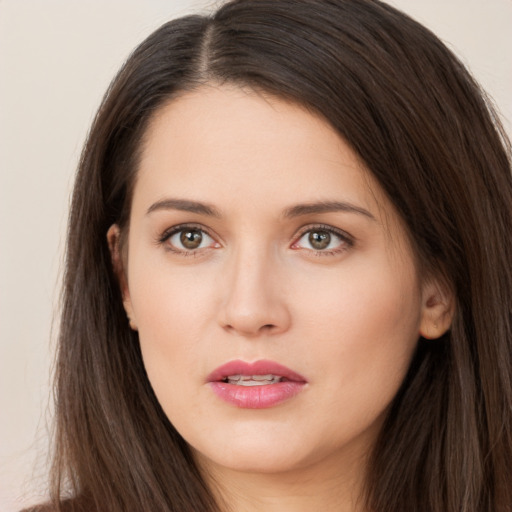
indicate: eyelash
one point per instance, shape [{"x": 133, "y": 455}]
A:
[
  {"x": 166, "y": 235},
  {"x": 346, "y": 240}
]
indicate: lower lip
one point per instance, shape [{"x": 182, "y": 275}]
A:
[{"x": 257, "y": 397}]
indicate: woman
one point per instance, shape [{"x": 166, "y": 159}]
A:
[{"x": 288, "y": 282}]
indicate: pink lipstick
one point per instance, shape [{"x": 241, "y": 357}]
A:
[{"x": 255, "y": 385}]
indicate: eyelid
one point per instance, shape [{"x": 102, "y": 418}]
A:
[
  {"x": 347, "y": 238},
  {"x": 169, "y": 232}
]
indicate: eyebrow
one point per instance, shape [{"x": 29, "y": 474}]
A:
[
  {"x": 325, "y": 207},
  {"x": 184, "y": 205}
]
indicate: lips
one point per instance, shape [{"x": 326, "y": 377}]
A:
[{"x": 255, "y": 385}]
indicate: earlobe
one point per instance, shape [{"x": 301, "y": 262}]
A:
[
  {"x": 114, "y": 245},
  {"x": 438, "y": 306}
]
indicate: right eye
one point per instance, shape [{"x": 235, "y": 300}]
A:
[{"x": 183, "y": 239}]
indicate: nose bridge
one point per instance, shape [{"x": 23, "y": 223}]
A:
[{"x": 253, "y": 297}]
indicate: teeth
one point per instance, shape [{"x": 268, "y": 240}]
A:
[
  {"x": 252, "y": 380},
  {"x": 262, "y": 377}
]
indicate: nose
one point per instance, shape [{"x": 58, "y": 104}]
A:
[{"x": 254, "y": 296}]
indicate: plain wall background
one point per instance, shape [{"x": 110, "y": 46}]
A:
[{"x": 56, "y": 60}]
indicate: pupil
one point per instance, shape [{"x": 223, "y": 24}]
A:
[
  {"x": 319, "y": 239},
  {"x": 191, "y": 239}
]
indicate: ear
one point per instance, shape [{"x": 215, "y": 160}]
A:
[
  {"x": 438, "y": 307},
  {"x": 114, "y": 245}
]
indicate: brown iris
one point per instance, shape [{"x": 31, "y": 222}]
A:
[
  {"x": 319, "y": 239},
  {"x": 191, "y": 238}
]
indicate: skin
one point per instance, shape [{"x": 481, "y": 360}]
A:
[{"x": 346, "y": 317}]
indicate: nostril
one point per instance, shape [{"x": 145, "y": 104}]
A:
[{"x": 250, "y": 331}]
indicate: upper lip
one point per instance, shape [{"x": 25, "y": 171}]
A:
[{"x": 261, "y": 367}]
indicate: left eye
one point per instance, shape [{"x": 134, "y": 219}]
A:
[
  {"x": 321, "y": 240},
  {"x": 190, "y": 239}
]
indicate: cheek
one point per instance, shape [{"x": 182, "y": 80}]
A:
[
  {"x": 173, "y": 311},
  {"x": 364, "y": 328},
  {"x": 166, "y": 297}
]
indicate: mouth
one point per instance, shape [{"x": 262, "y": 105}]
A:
[
  {"x": 257, "y": 385},
  {"x": 253, "y": 380},
  {"x": 258, "y": 373}
]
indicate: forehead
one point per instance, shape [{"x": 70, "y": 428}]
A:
[{"x": 247, "y": 141}]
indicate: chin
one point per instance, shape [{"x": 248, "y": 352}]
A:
[
  {"x": 259, "y": 450},
  {"x": 264, "y": 450}
]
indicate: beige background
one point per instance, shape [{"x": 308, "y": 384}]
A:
[{"x": 56, "y": 60}]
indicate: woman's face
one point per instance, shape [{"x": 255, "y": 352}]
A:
[{"x": 272, "y": 285}]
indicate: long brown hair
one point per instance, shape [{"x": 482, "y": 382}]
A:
[{"x": 422, "y": 126}]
